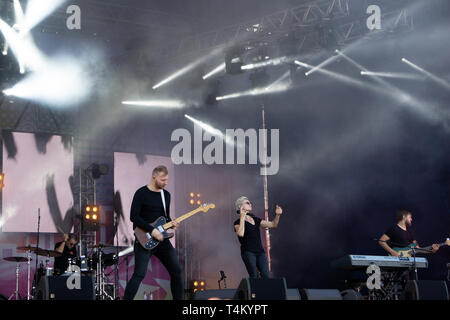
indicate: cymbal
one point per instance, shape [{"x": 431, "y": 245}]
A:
[
  {"x": 16, "y": 259},
  {"x": 48, "y": 253},
  {"x": 27, "y": 248},
  {"x": 40, "y": 251}
]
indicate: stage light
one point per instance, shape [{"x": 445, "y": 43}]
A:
[
  {"x": 2, "y": 178},
  {"x": 386, "y": 89},
  {"x": 273, "y": 88},
  {"x": 216, "y": 70},
  {"x": 60, "y": 82},
  {"x": 272, "y": 62},
  {"x": 322, "y": 64},
  {"x": 198, "y": 285},
  {"x": 188, "y": 68},
  {"x": 397, "y": 75},
  {"x": 37, "y": 11},
  {"x": 91, "y": 217},
  {"x": 192, "y": 200},
  {"x": 436, "y": 79},
  {"x": 172, "y": 104}
]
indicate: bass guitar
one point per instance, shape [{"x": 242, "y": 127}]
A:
[
  {"x": 149, "y": 243},
  {"x": 407, "y": 251}
]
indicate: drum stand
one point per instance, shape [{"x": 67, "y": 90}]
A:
[
  {"x": 100, "y": 279},
  {"x": 16, "y": 293},
  {"x": 29, "y": 297}
]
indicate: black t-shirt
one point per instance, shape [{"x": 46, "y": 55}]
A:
[
  {"x": 251, "y": 241},
  {"x": 399, "y": 237},
  {"x": 147, "y": 206},
  {"x": 62, "y": 262}
]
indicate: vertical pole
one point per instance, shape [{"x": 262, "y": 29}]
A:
[
  {"x": 80, "y": 223},
  {"x": 266, "y": 197}
]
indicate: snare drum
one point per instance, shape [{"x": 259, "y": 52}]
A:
[{"x": 72, "y": 267}]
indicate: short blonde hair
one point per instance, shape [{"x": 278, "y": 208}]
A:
[
  {"x": 239, "y": 202},
  {"x": 160, "y": 169}
]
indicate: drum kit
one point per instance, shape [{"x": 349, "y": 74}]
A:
[{"x": 101, "y": 256}]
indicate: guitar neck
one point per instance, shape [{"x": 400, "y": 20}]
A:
[
  {"x": 431, "y": 247},
  {"x": 183, "y": 217}
]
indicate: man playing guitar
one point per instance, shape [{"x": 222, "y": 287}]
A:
[
  {"x": 149, "y": 203},
  {"x": 401, "y": 237}
]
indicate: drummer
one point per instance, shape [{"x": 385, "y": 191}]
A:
[{"x": 68, "y": 250}]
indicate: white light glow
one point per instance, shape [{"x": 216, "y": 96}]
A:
[
  {"x": 37, "y": 11},
  {"x": 216, "y": 70},
  {"x": 436, "y": 79},
  {"x": 173, "y": 104},
  {"x": 397, "y": 75},
  {"x": 62, "y": 82},
  {"x": 187, "y": 68}
]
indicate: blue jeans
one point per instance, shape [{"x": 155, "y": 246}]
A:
[
  {"x": 255, "y": 262},
  {"x": 167, "y": 255}
]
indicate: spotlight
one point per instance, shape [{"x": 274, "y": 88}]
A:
[
  {"x": 216, "y": 70},
  {"x": 91, "y": 217},
  {"x": 194, "y": 198},
  {"x": 198, "y": 285},
  {"x": 2, "y": 178}
]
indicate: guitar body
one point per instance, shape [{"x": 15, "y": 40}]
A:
[
  {"x": 405, "y": 251},
  {"x": 144, "y": 237},
  {"x": 148, "y": 242}
]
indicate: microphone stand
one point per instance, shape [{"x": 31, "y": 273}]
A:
[
  {"x": 414, "y": 250},
  {"x": 37, "y": 246},
  {"x": 222, "y": 277},
  {"x": 116, "y": 274}
]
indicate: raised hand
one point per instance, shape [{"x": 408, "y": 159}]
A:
[{"x": 278, "y": 210}]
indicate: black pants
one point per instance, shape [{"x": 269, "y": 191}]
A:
[
  {"x": 255, "y": 262},
  {"x": 167, "y": 255}
]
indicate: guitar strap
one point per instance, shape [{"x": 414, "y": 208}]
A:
[{"x": 164, "y": 202}]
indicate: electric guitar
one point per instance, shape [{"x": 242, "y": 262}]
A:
[
  {"x": 149, "y": 243},
  {"x": 407, "y": 251}
]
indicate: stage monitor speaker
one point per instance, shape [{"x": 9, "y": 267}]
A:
[
  {"x": 320, "y": 294},
  {"x": 425, "y": 290},
  {"x": 351, "y": 294},
  {"x": 66, "y": 287},
  {"x": 261, "y": 289},
  {"x": 293, "y": 294},
  {"x": 221, "y": 294}
]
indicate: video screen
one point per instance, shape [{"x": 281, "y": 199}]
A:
[{"x": 38, "y": 174}]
